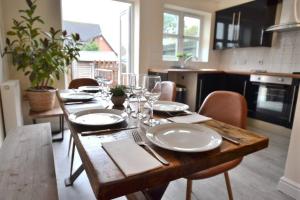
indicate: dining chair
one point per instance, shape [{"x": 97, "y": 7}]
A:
[
  {"x": 76, "y": 83},
  {"x": 168, "y": 91},
  {"x": 230, "y": 108}
]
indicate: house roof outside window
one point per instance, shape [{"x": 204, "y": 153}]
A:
[{"x": 87, "y": 31}]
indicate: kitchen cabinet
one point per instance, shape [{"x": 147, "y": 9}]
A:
[
  {"x": 244, "y": 25},
  {"x": 206, "y": 84},
  {"x": 237, "y": 83}
]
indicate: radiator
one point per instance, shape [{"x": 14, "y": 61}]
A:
[{"x": 11, "y": 105}]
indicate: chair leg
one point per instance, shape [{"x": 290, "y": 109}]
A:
[
  {"x": 227, "y": 180},
  {"x": 189, "y": 189}
]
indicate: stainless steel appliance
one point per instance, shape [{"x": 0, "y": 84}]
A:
[
  {"x": 272, "y": 99},
  {"x": 290, "y": 17}
]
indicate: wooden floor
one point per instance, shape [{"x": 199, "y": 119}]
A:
[{"x": 255, "y": 179}]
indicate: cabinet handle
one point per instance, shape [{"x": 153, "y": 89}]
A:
[
  {"x": 200, "y": 94},
  {"x": 262, "y": 36},
  {"x": 238, "y": 26},
  {"x": 233, "y": 26},
  {"x": 245, "y": 88}
]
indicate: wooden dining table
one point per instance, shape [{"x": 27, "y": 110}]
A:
[{"x": 108, "y": 181}]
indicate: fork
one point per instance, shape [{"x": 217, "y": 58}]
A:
[{"x": 138, "y": 140}]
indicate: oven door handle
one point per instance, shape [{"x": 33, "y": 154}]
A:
[
  {"x": 244, "y": 88},
  {"x": 293, "y": 103}
]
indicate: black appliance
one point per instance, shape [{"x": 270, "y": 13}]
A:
[{"x": 272, "y": 99}]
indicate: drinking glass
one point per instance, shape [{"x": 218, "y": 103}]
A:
[
  {"x": 138, "y": 91},
  {"x": 128, "y": 80},
  {"x": 152, "y": 86},
  {"x": 99, "y": 79}
]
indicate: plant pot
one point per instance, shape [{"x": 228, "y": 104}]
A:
[
  {"x": 118, "y": 100},
  {"x": 41, "y": 99}
]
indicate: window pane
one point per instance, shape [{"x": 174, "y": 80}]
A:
[
  {"x": 191, "y": 26},
  {"x": 220, "y": 31},
  {"x": 171, "y": 23},
  {"x": 191, "y": 47},
  {"x": 170, "y": 47}
]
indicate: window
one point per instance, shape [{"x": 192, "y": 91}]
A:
[{"x": 181, "y": 34}]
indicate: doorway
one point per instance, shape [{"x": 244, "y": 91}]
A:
[{"x": 105, "y": 29}]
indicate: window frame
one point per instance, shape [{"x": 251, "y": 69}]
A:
[{"x": 180, "y": 36}]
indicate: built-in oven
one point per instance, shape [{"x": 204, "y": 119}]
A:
[{"x": 272, "y": 99}]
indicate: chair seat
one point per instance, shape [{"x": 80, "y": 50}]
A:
[{"x": 213, "y": 171}]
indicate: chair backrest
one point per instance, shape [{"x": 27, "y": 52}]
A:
[
  {"x": 225, "y": 106},
  {"x": 168, "y": 91},
  {"x": 76, "y": 83}
]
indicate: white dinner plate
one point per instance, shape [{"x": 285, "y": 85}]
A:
[
  {"x": 184, "y": 137},
  {"x": 98, "y": 117},
  {"x": 77, "y": 96},
  {"x": 169, "y": 106},
  {"x": 91, "y": 89}
]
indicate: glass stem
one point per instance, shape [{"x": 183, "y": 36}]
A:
[
  {"x": 139, "y": 105},
  {"x": 151, "y": 111}
]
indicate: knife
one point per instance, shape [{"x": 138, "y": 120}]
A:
[
  {"x": 87, "y": 133},
  {"x": 231, "y": 139}
]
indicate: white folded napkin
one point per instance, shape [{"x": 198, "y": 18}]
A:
[
  {"x": 193, "y": 118},
  {"x": 130, "y": 157},
  {"x": 79, "y": 107}
]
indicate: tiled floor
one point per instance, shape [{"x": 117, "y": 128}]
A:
[{"x": 255, "y": 179}]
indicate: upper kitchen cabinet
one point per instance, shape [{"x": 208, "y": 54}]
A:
[{"x": 244, "y": 25}]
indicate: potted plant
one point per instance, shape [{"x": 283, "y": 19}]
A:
[
  {"x": 42, "y": 56},
  {"x": 118, "y": 95},
  {"x": 182, "y": 58}
]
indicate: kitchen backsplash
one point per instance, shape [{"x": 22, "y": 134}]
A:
[{"x": 283, "y": 56}]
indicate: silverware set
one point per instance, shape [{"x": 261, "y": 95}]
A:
[
  {"x": 138, "y": 140},
  {"x": 105, "y": 131}
]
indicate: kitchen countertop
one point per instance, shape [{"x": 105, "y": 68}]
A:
[{"x": 211, "y": 71}]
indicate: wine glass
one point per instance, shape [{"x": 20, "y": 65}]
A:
[
  {"x": 128, "y": 80},
  {"x": 138, "y": 91},
  {"x": 152, "y": 85}
]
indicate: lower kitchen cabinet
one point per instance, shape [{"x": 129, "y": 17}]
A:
[
  {"x": 236, "y": 83},
  {"x": 208, "y": 83}
]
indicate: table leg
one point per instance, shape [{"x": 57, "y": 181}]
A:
[
  {"x": 61, "y": 127},
  {"x": 70, "y": 142},
  {"x": 72, "y": 158},
  {"x": 155, "y": 193},
  {"x": 69, "y": 181}
]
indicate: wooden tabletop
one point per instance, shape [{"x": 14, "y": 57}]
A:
[
  {"x": 27, "y": 169},
  {"x": 109, "y": 182}
]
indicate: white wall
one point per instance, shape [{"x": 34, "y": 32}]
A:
[
  {"x": 290, "y": 182},
  {"x": 3, "y": 69},
  {"x": 151, "y": 32},
  {"x": 283, "y": 56},
  {"x": 50, "y": 11}
]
